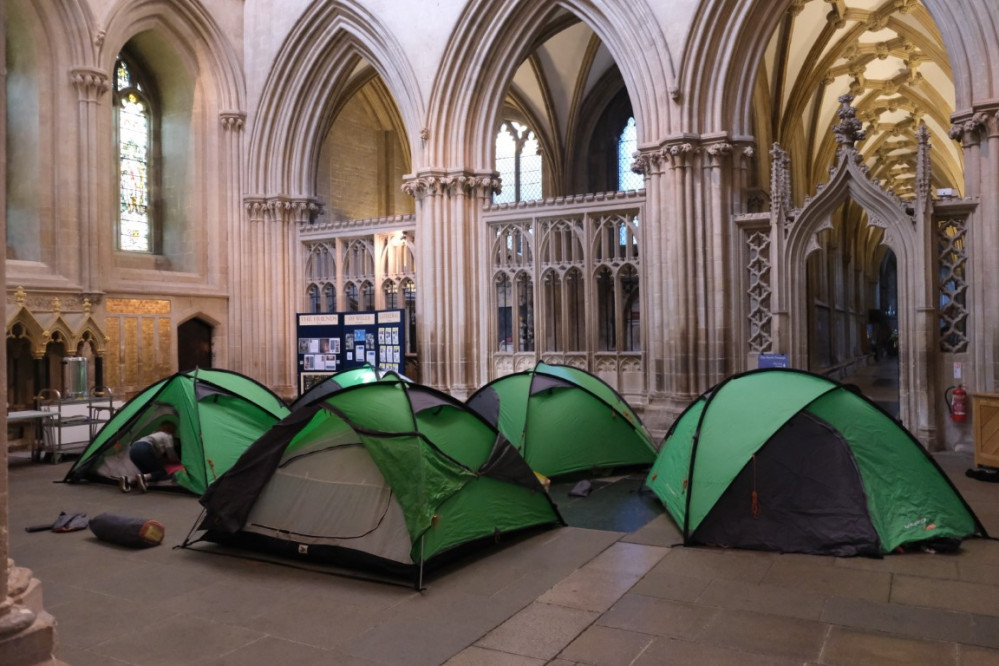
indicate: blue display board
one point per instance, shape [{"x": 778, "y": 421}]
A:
[{"x": 334, "y": 342}]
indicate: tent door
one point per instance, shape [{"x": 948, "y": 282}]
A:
[{"x": 809, "y": 497}]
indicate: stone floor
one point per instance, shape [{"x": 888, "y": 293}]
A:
[{"x": 612, "y": 588}]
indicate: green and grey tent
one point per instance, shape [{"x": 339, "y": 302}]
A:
[
  {"x": 389, "y": 475},
  {"x": 218, "y": 414},
  {"x": 564, "y": 420},
  {"x": 790, "y": 461},
  {"x": 364, "y": 374}
]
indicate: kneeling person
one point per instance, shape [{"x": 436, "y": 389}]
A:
[{"x": 150, "y": 453}]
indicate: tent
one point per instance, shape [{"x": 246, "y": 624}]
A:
[
  {"x": 388, "y": 475},
  {"x": 564, "y": 420},
  {"x": 364, "y": 374},
  {"x": 786, "y": 460},
  {"x": 218, "y": 414}
]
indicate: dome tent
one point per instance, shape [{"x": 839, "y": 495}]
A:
[
  {"x": 789, "y": 461},
  {"x": 364, "y": 374},
  {"x": 217, "y": 414},
  {"x": 388, "y": 475},
  {"x": 564, "y": 420}
]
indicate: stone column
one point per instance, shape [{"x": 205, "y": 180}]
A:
[
  {"x": 91, "y": 84},
  {"x": 451, "y": 251},
  {"x": 268, "y": 291},
  {"x": 979, "y": 137},
  {"x": 679, "y": 226},
  {"x": 655, "y": 243},
  {"x": 231, "y": 157},
  {"x": 718, "y": 176},
  {"x": 27, "y": 633}
]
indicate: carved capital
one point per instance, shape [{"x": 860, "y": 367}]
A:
[
  {"x": 679, "y": 154},
  {"x": 232, "y": 120},
  {"x": 90, "y": 83},
  {"x": 453, "y": 184},
  {"x": 422, "y": 186},
  {"x": 256, "y": 208},
  {"x": 969, "y": 130},
  {"x": 716, "y": 152}
]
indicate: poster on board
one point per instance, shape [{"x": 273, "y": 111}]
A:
[{"x": 333, "y": 342}]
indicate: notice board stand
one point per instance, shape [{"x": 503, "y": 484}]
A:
[{"x": 334, "y": 342}]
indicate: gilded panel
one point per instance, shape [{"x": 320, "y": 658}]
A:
[{"x": 137, "y": 306}]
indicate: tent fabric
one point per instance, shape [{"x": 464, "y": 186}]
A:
[
  {"x": 391, "y": 473},
  {"x": 564, "y": 420},
  {"x": 787, "y": 460},
  {"x": 364, "y": 374},
  {"x": 218, "y": 414}
]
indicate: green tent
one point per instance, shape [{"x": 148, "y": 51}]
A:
[
  {"x": 364, "y": 374},
  {"x": 391, "y": 475},
  {"x": 786, "y": 460},
  {"x": 563, "y": 420},
  {"x": 218, "y": 414}
]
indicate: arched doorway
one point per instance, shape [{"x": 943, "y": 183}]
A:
[{"x": 194, "y": 345}]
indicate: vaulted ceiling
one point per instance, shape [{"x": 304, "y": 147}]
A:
[{"x": 887, "y": 53}]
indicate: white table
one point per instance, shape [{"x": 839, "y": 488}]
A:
[{"x": 37, "y": 417}]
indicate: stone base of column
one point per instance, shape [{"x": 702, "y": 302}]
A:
[
  {"x": 33, "y": 646},
  {"x": 27, "y": 632}
]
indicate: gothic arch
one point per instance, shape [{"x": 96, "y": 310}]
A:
[
  {"x": 314, "y": 66},
  {"x": 195, "y": 35},
  {"x": 849, "y": 181},
  {"x": 469, "y": 88}
]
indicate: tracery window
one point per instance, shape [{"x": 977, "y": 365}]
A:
[
  {"x": 518, "y": 161},
  {"x": 615, "y": 252},
  {"x": 320, "y": 274},
  {"x": 135, "y": 133},
  {"x": 627, "y": 144},
  {"x": 562, "y": 283},
  {"x": 409, "y": 306}
]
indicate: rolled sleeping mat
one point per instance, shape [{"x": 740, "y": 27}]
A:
[{"x": 127, "y": 530}]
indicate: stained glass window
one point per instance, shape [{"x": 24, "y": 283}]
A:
[
  {"x": 518, "y": 161},
  {"x": 134, "y": 139}
]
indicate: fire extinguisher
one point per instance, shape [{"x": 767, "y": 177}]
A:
[{"x": 957, "y": 403}]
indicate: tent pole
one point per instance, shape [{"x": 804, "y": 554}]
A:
[{"x": 419, "y": 575}]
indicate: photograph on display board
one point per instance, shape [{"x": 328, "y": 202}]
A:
[{"x": 310, "y": 379}]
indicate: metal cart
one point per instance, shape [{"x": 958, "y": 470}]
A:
[{"x": 74, "y": 422}]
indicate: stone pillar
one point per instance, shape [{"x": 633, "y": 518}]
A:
[
  {"x": 718, "y": 176},
  {"x": 27, "y": 633},
  {"x": 679, "y": 228},
  {"x": 231, "y": 157},
  {"x": 978, "y": 133},
  {"x": 654, "y": 279},
  {"x": 269, "y": 299},
  {"x": 91, "y": 84},
  {"x": 451, "y": 249}
]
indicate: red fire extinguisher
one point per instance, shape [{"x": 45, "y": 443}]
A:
[{"x": 957, "y": 403}]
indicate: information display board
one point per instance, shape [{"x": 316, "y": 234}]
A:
[{"x": 334, "y": 342}]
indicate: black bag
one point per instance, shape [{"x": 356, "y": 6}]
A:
[{"x": 127, "y": 530}]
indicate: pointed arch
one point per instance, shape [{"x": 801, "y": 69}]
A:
[
  {"x": 849, "y": 181},
  {"x": 23, "y": 324},
  {"x": 193, "y": 32},
  {"x": 469, "y": 88},
  {"x": 315, "y": 65}
]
